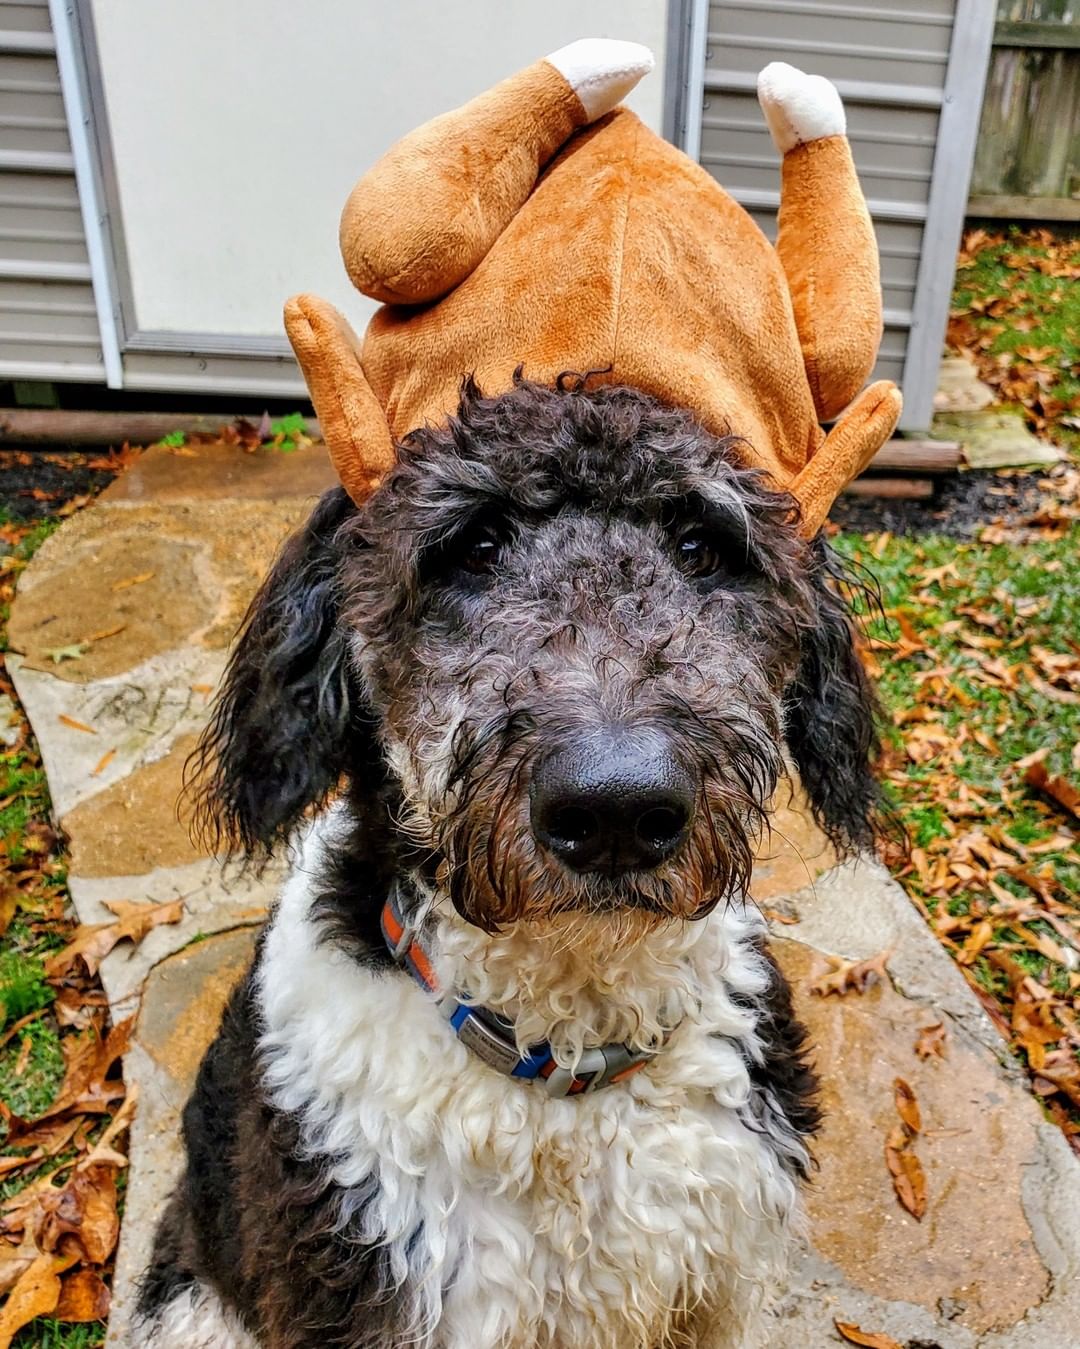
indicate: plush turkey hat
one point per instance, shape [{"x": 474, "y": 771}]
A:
[{"x": 541, "y": 225}]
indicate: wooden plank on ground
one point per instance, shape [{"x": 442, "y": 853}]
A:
[{"x": 920, "y": 456}]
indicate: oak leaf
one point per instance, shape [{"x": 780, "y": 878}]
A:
[
  {"x": 83, "y": 1297},
  {"x": 35, "y": 1294},
  {"x": 846, "y": 976},
  {"x": 93, "y": 941},
  {"x": 931, "y": 1041},
  {"x": 81, "y": 1217}
]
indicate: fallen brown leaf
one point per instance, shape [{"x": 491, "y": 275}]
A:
[
  {"x": 133, "y": 580},
  {"x": 9, "y": 902},
  {"x": 88, "y": 1059},
  {"x": 92, "y": 942},
  {"x": 908, "y": 1177},
  {"x": 846, "y": 976},
  {"x": 15, "y": 1261},
  {"x": 100, "y": 636},
  {"x": 76, "y": 725},
  {"x": 35, "y": 1294},
  {"x": 907, "y": 1107},
  {"x": 869, "y": 1339},
  {"x": 103, "y": 762},
  {"x": 83, "y": 1297},
  {"x": 81, "y": 1218},
  {"x": 1057, "y": 788},
  {"x": 931, "y": 1041}
]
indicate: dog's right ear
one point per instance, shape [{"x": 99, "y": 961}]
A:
[{"x": 287, "y": 719}]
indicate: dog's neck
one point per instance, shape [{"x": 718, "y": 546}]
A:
[{"x": 577, "y": 980}]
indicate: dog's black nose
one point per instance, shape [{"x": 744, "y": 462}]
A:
[{"x": 619, "y": 800}]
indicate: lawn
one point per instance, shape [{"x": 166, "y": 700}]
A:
[
  {"x": 978, "y": 665},
  {"x": 1016, "y": 311}
]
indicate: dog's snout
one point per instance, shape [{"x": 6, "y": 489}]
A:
[{"x": 619, "y": 800}]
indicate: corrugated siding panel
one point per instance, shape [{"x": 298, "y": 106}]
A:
[
  {"x": 48, "y": 324},
  {"x": 889, "y": 61}
]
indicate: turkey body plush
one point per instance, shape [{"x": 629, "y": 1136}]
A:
[{"x": 540, "y": 227}]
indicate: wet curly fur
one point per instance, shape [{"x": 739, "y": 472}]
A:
[{"x": 379, "y": 666}]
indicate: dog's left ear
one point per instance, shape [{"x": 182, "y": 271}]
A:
[
  {"x": 832, "y": 716},
  {"x": 288, "y": 721}
]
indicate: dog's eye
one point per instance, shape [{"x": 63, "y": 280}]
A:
[
  {"x": 698, "y": 555},
  {"x": 479, "y": 552}
]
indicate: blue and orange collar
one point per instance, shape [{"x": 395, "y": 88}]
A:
[{"x": 491, "y": 1037}]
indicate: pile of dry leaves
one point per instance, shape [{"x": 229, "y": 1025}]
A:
[{"x": 62, "y": 1168}]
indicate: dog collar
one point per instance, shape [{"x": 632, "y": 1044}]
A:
[{"x": 491, "y": 1036}]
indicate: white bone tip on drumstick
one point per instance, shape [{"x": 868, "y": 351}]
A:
[{"x": 601, "y": 71}]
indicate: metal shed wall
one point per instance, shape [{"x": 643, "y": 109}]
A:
[
  {"x": 48, "y": 320},
  {"x": 911, "y": 76}
]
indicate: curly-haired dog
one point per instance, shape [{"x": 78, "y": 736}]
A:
[{"x": 513, "y": 1067}]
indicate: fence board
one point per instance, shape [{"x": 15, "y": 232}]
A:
[{"x": 1029, "y": 141}]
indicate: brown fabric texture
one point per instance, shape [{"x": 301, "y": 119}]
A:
[
  {"x": 829, "y": 253},
  {"x": 534, "y": 240},
  {"x": 353, "y": 424},
  {"x": 429, "y": 210}
]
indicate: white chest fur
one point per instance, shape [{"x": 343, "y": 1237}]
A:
[{"x": 610, "y": 1221}]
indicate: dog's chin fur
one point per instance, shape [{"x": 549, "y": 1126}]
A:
[{"x": 577, "y": 979}]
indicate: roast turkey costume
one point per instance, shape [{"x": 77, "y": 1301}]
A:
[{"x": 541, "y": 225}]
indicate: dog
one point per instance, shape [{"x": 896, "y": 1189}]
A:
[{"x": 513, "y": 1068}]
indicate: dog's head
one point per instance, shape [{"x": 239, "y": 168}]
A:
[{"x": 568, "y": 640}]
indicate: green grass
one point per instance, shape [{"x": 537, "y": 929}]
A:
[
  {"x": 1024, "y": 309},
  {"x": 26, "y": 844},
  {"x": 287, "y": 430},
  {"x": 32, "y": 1061},
  {"x": 991, "y": 580},
  {"x": 1024, "y": 596},
  {"x": 22, "y": 986},
  {"x": 30, "y": 1092},
  {"x": 45, "y": 1333}
]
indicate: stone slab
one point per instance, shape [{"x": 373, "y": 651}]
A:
[
  {"x": 215, "y": 899},
  {"x": 136, "y": 718},
  {"x": 132, "y": 584},
  {"x": 182, "y": 1006},
  {"x": 959, "y": 387},
  {"x": 995, "y": 438},
  {"x": 213, "y": 472},
  {"x": 993, "y": 1263}
]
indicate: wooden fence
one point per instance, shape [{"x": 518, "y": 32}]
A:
[{"x": 1027, "y": 165}]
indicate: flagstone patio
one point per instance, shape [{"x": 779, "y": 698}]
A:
[{"x": 151, "y": 582}]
